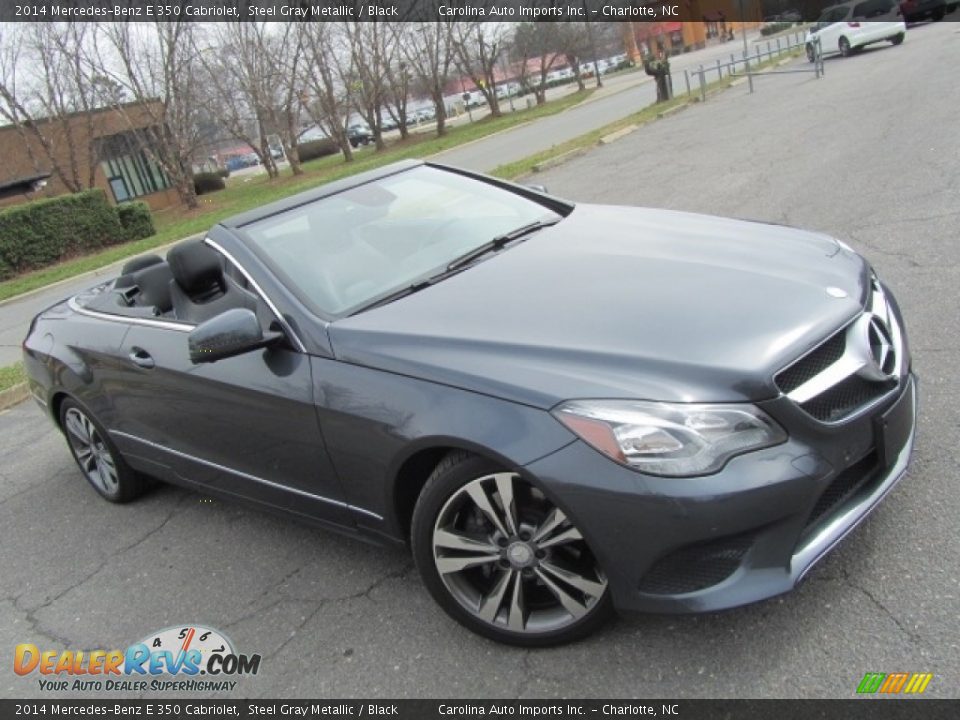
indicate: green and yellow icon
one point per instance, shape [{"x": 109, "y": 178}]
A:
[{"x": 894, "y": 683}]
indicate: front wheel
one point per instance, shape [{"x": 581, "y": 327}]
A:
[
  {"x": 500, "y": 558},
  {"x": 811, "y": 56},
  {"x": 897, "y": 39},
  {"x": 845, "y": 48},
  {"x": 101, "y": 464}
]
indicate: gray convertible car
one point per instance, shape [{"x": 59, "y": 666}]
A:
[{"x": 561, "y": 408}]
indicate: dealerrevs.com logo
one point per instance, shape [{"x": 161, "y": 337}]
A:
[{"x": 180, "y": 658}]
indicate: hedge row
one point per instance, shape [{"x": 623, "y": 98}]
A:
[
  {"x": 208, "y": 182},
  {"x": 136, "y": 220},
  {"x": 44, "y": 232},
  {"x": 313, "y": 149}
]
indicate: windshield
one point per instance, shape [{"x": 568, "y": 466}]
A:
[{"x": 343, "y": 252}]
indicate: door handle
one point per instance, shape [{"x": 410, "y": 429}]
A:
[{"x": 141, "y": 357}]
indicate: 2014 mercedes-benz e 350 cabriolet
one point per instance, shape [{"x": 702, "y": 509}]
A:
[{"x": 562, "y": 408}]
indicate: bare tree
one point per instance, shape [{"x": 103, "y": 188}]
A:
[
  {"x": 540, "y": 41},
  {"x": 428, "y": 49},
  {"x": 238, "y": 79},
  {"x": 326, "y": 96},
  {"x": 575, "y": 41},
  {"x": 477, "y": 47},
  {"x": 53, "y": 104},
  {"x": 368, "y": 44},
  {"x": 397, "y": 81},
  {"x": 159, "y": 66},
  {"x": 285, "y": 56}
]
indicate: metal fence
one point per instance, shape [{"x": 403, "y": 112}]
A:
[{"x": 742, "y": 64}]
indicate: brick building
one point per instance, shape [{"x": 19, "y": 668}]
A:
[{"x": 106, "y": 139}]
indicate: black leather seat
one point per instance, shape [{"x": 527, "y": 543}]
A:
[
  {"x": 154, "y": 284},
  {"x": 200, "y": 289}
]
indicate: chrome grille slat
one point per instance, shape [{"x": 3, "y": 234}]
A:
[{"x": 840, "y": 378}]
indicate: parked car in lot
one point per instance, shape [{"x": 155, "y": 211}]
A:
[
  {"x": 851, "y": 26},
  {"x": 916, "y": 10},
  {"x": 561, "y": 408},
  {"x": 359, "y": 134},
  {"x": 238, "y": 162}
]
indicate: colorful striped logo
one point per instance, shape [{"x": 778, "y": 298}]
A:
[{"x": 894, "y": 683}]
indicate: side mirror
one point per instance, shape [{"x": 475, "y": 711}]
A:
[
  {"x": 539, "y": 188},
  {"x": 230, "y": 333}
]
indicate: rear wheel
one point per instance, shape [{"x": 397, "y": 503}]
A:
[
  {"x": 897, "y": 39},
  {"x": 845, "y": 48},
  {"x": 500, "y": 558},
  {"x": 101, "y": 464}
]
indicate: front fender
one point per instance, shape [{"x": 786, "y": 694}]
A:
[{"x": 374, "y": 421}]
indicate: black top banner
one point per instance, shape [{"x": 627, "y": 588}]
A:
[
  {"x": 176, "y": 708},
  {"x": 721, "y": 12}
]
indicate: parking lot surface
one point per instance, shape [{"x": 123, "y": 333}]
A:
[{"x": 869, "y": 154}]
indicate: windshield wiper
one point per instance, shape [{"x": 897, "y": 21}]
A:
[
  {"x": 498, "y": 242},
  {"x": 459, "y": 264}
]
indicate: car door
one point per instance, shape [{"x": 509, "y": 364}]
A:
[{"x": 244, "y": 425}]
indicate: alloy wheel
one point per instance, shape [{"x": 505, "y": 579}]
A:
[
  {"x": 513, "y": 559},
  {"x": 91, "y": 452}
]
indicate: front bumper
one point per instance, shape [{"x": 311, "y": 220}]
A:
[{"x": 749, "y": 532}]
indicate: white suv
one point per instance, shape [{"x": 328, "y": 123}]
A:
[{"x": 842, "y": 28}]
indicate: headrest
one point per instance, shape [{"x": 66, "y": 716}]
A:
[
  {"x": 154, "y": 284},
  {"x": 139, "y": 263},
  {"x": 195, "y": 266}
]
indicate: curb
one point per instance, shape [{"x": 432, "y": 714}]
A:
[
  {"x": 673, "y": 111},
  {"x": 559, "y": 159},
  {"x": 616, "y": 135},
  {"x": 14, "y": 395},
  {"x": 102, "y": 270}
]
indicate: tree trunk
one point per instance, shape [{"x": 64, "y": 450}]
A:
[
  {"x": 293, "y": 157},
  {"x": 344, "y": 142},
  {"x": 186, "y": 191},
  {"x": 441, "y": 111}
]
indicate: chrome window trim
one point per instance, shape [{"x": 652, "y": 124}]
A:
[
  {"x": 148, "y": 322},
  {"x": 254, "y": 478},
  {"x": 259, "y": 290}
]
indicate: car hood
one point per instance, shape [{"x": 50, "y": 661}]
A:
[{"x": 620, "y": 302}]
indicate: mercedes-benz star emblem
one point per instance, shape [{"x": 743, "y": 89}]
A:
[{"x": 879, "y": 354}]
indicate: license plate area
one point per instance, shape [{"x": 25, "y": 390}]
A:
[{"x": 892, "y": 429}]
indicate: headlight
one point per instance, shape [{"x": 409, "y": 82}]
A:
[{"x": 669, "y": 439}]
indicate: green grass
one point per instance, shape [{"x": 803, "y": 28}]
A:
[
  {"x": 11, "y": 375},
  {"x": 245, "y": 193}
]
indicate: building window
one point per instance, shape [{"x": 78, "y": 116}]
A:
[{"x": 130, "y": 171}]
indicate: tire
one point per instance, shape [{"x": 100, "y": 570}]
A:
[
  {"x": 524, "y": 577},
  {"x": 97, "y": 456},
  {"x": 810, "y": 54},
  {"x": 938, "y": 14},
  {"x": 898, "y": 38},
  {"x": 845, "y": 48}
]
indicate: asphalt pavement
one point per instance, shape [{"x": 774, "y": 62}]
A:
[{"x": 869, "y": 154}]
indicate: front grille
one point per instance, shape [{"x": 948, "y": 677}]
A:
[
  {"x": 812, "y": 364},
  {"x": 845, "y": 398},
  {"x": 853, "y": 368},
  {"x": 846, "y": 486},
  {"x": 696, "y": 567}
]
